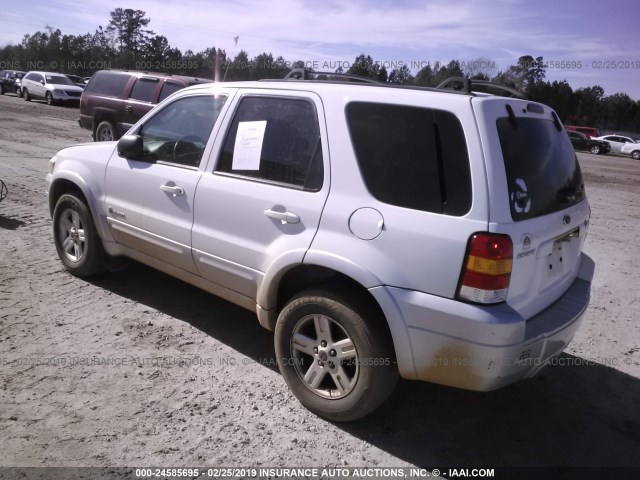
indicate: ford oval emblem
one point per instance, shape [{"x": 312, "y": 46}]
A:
[{"x": 566, "y": 219}]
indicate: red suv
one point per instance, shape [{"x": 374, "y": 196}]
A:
[
  {"x": 115, "y": 100},
  {"x": 588, "y": 131}
]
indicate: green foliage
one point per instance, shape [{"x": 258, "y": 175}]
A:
[
  {"x": 128, "y": 27},
  {"x": 364, "y": 66},
  {"x": 429, "y": 76},
  {"x": 400, "y": 75}
]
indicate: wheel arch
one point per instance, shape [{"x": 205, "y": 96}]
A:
[
  {"x": 340, "y": 277},
  {"x": 64, "y": 185},
  {"x": 104, "y": 116},
  {"x": 307, "y": 268}
]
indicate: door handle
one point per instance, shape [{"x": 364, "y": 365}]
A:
[
  {"x": 128, "y": 109},
  {"x": 284, "y": 217},
  {"x": 172, "y": 189}
]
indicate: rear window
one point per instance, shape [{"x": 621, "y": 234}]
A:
[
  {"x": 542, "y": 168},
  {"x": 109, "y": 84},
  {"x": 412, "y": 157}
]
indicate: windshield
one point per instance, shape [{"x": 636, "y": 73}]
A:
[
  {"x": 59, "y": 80},
  {"x": 542, "y": 168}
]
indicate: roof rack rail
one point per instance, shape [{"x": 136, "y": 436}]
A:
[
  {"x": 305, "y": 74},
  {"x": 466, "y": 84}
]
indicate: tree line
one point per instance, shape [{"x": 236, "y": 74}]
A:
[{"x": 127, "y": 42}]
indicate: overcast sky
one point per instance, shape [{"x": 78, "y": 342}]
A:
[{"x": 596, "y": 33}]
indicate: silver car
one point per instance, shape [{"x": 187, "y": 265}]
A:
[{"x": 379, "y": 232}]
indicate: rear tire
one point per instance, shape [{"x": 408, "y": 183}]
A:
[
  {"x": 335, "y": 354},
  {"x": 76, "y": 238},
  {"x": 105, "y": 132},
  {"x": 1, "y": 89}
]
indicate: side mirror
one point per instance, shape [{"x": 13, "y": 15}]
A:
[
  {"x": 130, "y": 146},
  {"x": 42, "y": 82}
]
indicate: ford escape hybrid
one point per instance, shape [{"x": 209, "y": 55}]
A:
[{"x": 378, "y": 231}]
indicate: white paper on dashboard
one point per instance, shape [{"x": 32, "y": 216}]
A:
[{"x": 248, "y": 147}]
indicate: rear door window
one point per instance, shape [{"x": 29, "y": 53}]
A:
[
  {"x": 277, "y": 140},
  {"x": 542, "y": 169}
]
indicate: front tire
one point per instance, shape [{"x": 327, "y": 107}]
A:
[
  {"x": 105, "y": 132},
  {"x": 595, "y": 149},
  {"x": 76, "y": 238},
  {"x": 49, "y": 98},
  {"x": 335, "y": 355},
  {"x": 635, "y": 154},
  {"x": 27, "y": 97}
]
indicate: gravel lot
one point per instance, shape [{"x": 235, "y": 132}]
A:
[{"x": 138, "y": 369}]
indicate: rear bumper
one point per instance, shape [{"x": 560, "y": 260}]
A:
[{"x": 480, "y": 348}]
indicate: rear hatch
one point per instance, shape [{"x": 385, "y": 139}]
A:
[{"x": 537, "y": 197}]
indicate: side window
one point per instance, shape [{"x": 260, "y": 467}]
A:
[
  {"x": 143, "y": 89},
  {"x": 275, "y": 139},
  {"x": 179, "y": 132},
  {"x": 167, "y": 89},
  {"x": 411, "y": 157},
  {"x": 110, "y": 84}
]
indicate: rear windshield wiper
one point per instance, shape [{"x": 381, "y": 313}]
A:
[{"x": 512, "y": 117}]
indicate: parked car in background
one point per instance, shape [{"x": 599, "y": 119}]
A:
[
  {"x": 435, "y": 235},
  {"x": 632, "y": 149},
  {"x": 79, "y": 81},
  {"x": 581, "y": 142},
  {"x": 587, "y": 131},
  {"x": 10, "y": 81},
  {"x": 616, "y": 142},
  {"x": 114, "y": 100},
  {"x": 52, "y": 87}
]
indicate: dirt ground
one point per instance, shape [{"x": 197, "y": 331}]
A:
[{"x": 138, "y": 369}]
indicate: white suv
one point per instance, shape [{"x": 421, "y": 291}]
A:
[
  {"x": 51, "y": 87},
  {"x": 379, "y": 231}
]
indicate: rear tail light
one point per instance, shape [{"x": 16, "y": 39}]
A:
[{"x": 486, "y": 271}]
